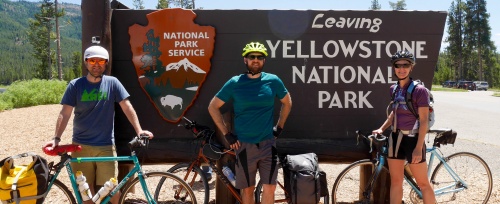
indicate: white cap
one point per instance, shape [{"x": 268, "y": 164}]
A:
[{"x": 96, "y": 51}]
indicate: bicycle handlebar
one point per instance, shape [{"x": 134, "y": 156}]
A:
[
  {"x": 378, "y": 139},
  {"x": 196, "y": 129},
  {"x": 139, "y": 141}
]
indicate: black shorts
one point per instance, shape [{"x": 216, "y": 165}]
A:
[{"x": 406, "y": 147}]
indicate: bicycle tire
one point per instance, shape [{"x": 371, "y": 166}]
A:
[
  {"x": 347, "y": 187},
  {"x": 133, "y": 192},
  {"x": 59, "y": 193},
  {"x": 280, "y": 195},
  {"x": 197, "y": 180},
  {"x": 473, "y": 170}
]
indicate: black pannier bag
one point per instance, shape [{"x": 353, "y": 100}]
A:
[{"x": 304, "y": 181}]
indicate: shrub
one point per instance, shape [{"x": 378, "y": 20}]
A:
[{"x": 32, "y": 93}]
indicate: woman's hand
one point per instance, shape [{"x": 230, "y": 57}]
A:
[
  {"x": 416, "y": 156},
  {"x": 377, "y": 131}
]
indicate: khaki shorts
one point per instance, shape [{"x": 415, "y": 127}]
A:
[
  {"x": 96, "y": 172},
  {"x": 252, "y": 157}
]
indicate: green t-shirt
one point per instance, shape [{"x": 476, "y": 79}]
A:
[{"x": 253, "y": 103}]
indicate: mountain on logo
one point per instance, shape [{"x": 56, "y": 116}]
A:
[
  {"x": 186, "y": 64},
  {"x": 182, "y": 73}
]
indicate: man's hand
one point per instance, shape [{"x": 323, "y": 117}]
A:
[
  {"x": 277, "y": 130},
  {"x": 52, "y": 144},
  {"x": 145, "y": 132},
  {"x": 232, "y": 140}
]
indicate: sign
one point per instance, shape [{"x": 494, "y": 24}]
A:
[
  {"x": 335, "y": 64},
  {"x": 171, "y": 56}
]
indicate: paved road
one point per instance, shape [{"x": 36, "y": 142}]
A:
[{"x": 475, "y": 116}]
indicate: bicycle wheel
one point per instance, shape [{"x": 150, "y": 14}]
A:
[
  {"x": 349, "y": 186},
  {"x": 280, "y": 195},
  {"x": 59, "y": 193},
  {"x": 473, "y": 170},
  {"x": 134, "y": 193},
  {"x": 196, "y": 179}
]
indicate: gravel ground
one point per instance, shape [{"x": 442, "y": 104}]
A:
[{"x": 27, "y": 129}]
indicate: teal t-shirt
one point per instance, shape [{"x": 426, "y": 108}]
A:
[{"x": 253, "y": 103}]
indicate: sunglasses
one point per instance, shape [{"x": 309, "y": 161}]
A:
[
  {"x": 94, "y": 61},
  {"x": 402, "y": 65},
  {"x": 259, "y": 57}
]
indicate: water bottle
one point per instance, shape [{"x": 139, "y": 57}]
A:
[
  {"x": 229, "y": 174},
  {"x": 83, "y": 186},
  {"x": 108, "y": 186}
]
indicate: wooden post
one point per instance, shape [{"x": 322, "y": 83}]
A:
[
  {"x": 96, "y": 21},
  {"x": 222, "y": 194},
  {"x": 381, "y": 186}
]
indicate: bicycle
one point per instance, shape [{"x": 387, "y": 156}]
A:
[
  {"x": 209, "y": 151},
  {"x": 58, "y": 192},
  {"x": 462, "y": 177}
]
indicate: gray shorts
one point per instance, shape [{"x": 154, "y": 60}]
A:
[{"x": 250, "y": 157}]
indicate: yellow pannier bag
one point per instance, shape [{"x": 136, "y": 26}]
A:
[{"x": 23, "y": 184}]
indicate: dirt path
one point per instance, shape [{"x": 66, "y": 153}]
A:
[{"x": 27, "y": 129}]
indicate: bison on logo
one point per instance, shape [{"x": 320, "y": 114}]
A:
[{"x": 171, "y": 56}]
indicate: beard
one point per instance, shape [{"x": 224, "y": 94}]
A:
[{"x": 255, "y": 68}]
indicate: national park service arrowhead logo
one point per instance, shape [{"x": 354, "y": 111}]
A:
[{"x": 171, "y": 55}]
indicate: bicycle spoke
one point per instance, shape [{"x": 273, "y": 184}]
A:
[
  {"x": 134, "y": 192},
  {"x": 349, "y": 185},
  {"x": 196, "y": 179},
  {"x": 471, "y": 169},
  {"x": 59, "y": 193}
]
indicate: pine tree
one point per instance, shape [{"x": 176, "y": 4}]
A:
[
  {"x": 477, "y": 35},
  {"x": 40, "y": 35},
  {"x": 456, "y": 17},
  {"x": 375, "y": 5},
  {"x": 162, "y": 4},
  {"x": 399, "y": 5}
]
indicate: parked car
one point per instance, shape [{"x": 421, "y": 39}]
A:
[
  {"x": 449, "y": 84},
  {"x": 467, "y": 85},
  {"x": 481, "y": 85}
]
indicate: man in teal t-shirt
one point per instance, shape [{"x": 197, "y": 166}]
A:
[{"x": 253, "y": 95}]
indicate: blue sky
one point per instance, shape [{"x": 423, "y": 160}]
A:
[{"x": 435, "y": 5}]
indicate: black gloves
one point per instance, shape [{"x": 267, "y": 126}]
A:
[
  {"x": 277, "y": 131},
  {"x": 231, "y": 139}
]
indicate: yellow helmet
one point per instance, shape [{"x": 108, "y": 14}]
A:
[{"x": 254, "y": 47}]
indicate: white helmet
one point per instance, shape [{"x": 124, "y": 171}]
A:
[{"x": 96, "y": 51}]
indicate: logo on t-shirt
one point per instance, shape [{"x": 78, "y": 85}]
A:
[
  {"x": 171, "y": 55},
  {"x": 94, "y": 95}
]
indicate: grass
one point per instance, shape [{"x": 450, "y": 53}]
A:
[
  {"x": 32, "y": 93},
  {"x": 496, "y": 91},
  {"x": 441, "y": 88}
]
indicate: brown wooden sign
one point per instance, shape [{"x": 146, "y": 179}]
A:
[
  {"x": 171, "y": 56},
  {"x": 336, "y": 65}
]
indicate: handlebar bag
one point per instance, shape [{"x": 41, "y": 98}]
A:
[{"x": 23, "y": 184}]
